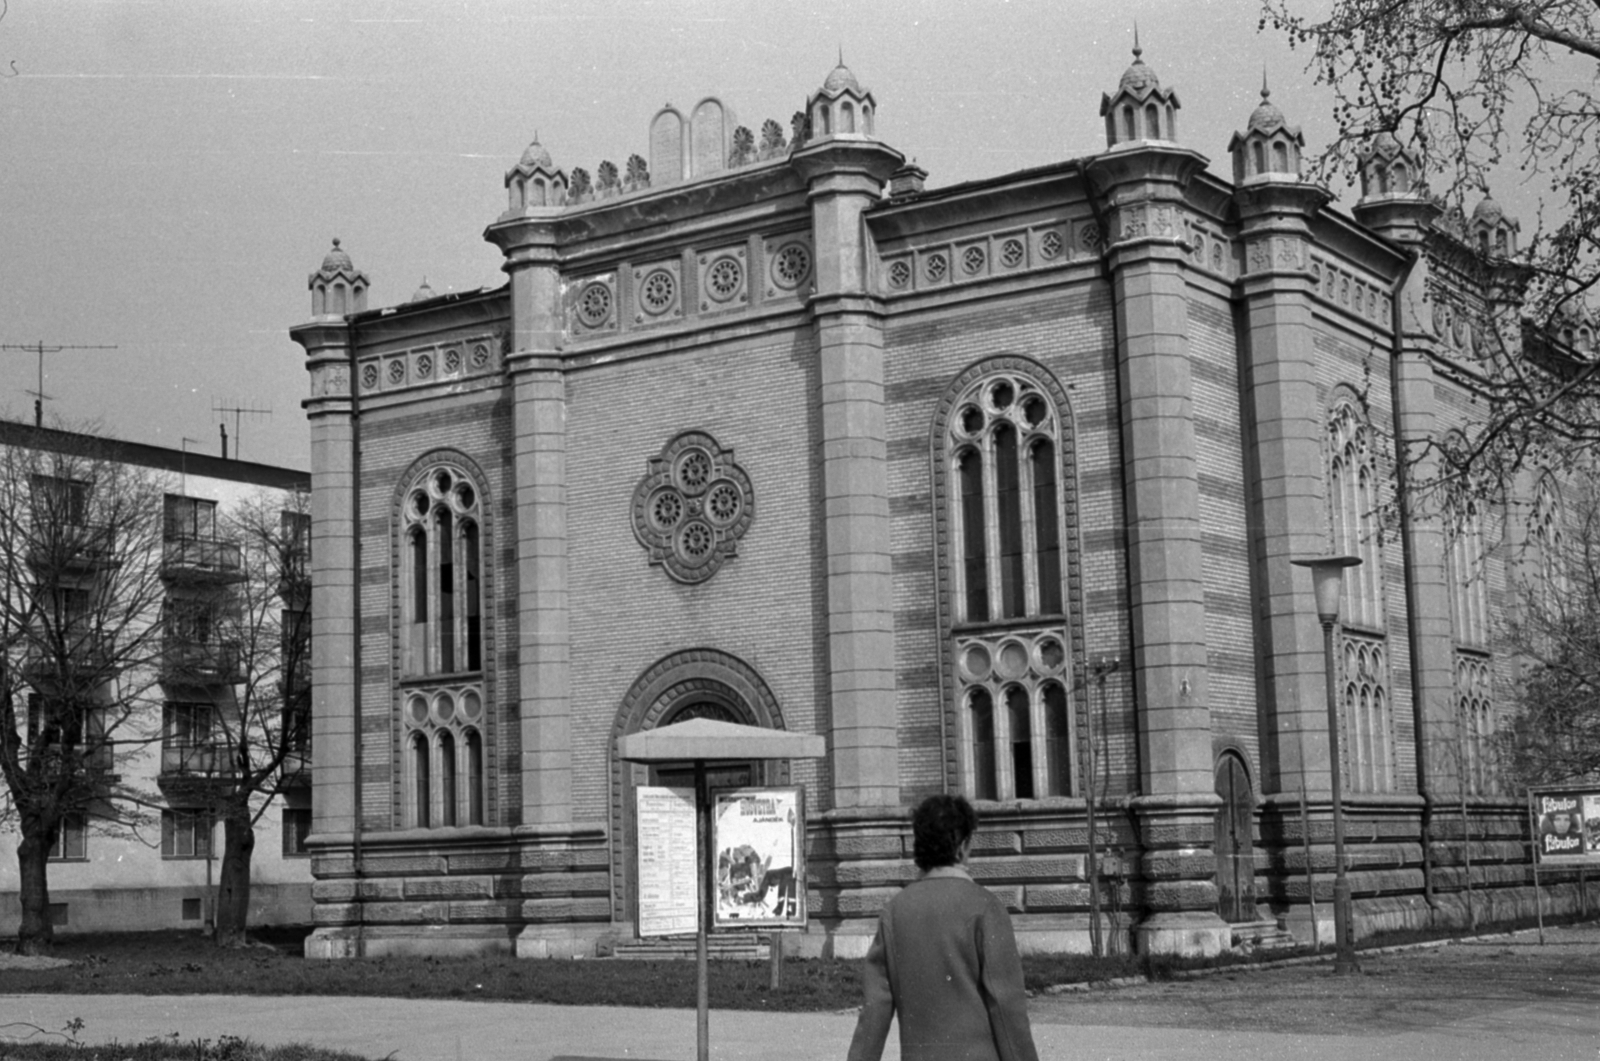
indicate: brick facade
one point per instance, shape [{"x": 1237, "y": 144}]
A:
[{"x": 1186, "y": 341}]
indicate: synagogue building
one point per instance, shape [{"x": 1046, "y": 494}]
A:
[{"x": 995, "y": 486}]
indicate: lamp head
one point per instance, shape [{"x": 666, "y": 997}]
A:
[{"x": 1327, "y": 579}]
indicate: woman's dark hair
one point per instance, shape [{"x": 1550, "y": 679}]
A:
[{"x": 939, "y": 827}]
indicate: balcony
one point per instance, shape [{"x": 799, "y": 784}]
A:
[
  {"x": 206, "y": 760},
  {"x": 187, "y": 660},
  {"x": 201, "y": 560},
  {"x": 78, "y": 657},
  {"x": 71, "y": 547}
]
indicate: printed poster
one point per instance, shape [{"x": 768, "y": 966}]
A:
[
  {"x": 1567, "y": 826},
  {"x": 669, "y": 869},
  {"x": 758, "y": 835}
]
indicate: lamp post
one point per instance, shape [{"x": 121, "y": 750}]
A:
[{"x": 1327, "y": 578}]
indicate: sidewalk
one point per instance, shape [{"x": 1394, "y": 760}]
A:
[{"x": 419, "y": 1030}]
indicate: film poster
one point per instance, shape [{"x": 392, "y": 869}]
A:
[
  {"x": 1567, "y": 826},
  {"x": 758, "y": 835}
]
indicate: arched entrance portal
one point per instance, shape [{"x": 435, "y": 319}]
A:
[
  {"x": 695, "y": 683},
  {"x": 1236, "y": 874},
  {"x": 722, "y": 775}
]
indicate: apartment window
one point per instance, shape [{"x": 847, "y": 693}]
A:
[
  {"x": 189, "y": 518},
  {"x": 71, "y": 839},
  {"x": 296, "y": 827},
  {"x": 59, "y": 500},
  {"x": 1004, "y": 475},
  {"x": 295, "y": 531},
  {"x": 186, "y": 833}
]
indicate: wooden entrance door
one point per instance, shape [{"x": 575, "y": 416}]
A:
[{"x": 1236, "y": 875}]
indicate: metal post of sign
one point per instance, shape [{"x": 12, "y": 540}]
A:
[
  {"x": 1533, "y": 849},
  {"x": 702, "y": 1002}
]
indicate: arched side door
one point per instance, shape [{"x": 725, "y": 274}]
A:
[{"x": 1236, "y": 876}]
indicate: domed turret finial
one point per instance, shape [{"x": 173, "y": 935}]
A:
[
  {"x": 338, "y": 287},
  {"x": 1140, "y": 109},
  {"x": 840, "y": 106},
  {"x": 1266, "y": 93}
]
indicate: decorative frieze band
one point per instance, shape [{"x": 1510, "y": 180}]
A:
[{"x": 423, "y": 366}]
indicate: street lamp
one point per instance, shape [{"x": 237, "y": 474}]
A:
[{"x": 1327, "y": 578}]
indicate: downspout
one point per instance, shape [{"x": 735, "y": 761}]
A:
[
  {"x": 1093, "y": 867},
  {"x": 355, "y": 632},
  {"x": 1413, "y": 637}
]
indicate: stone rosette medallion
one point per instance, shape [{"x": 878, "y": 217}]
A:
[{"x": 692, "y": 507}]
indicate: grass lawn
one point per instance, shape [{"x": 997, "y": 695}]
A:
[
  {"x": 225, "y": 1049},
  {"x": 179, "y": 963}
]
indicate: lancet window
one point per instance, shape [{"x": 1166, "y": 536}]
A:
[
  {"x": 441, "y": 590},
  {"x": 1002, "y": 441},
  {"x": 1353, "y": 509}
]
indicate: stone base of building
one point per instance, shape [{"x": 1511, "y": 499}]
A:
[{"x": 1191, "y": 934}]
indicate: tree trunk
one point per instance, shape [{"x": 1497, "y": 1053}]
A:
[
  {"x": 35, "y": 935},
  {"x": 233, "y": 883}
]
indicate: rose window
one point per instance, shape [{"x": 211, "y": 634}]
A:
[
  {"x": 936, "y": 267},
  {"x": 594, "y": 304},
  {"x": 1011, "y": 253},
  {"x": 790, "y": 266},
  {"x": 657, "y": 292},
  {"x": 724, "y": 279},
  {"x": 692, "y": 507},
  {"x": 899, "y": 274},
  {"x": 972, "y": 259},
  {"x": 1050, "y": 244}
]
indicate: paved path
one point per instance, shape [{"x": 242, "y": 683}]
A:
[
  {"x": 410, "y": 1030},
  {"x": 1493, "y": 999}
]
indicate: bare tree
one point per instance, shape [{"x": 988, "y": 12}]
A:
[
  {"x": 1471, "y": 87},
  {"x": 80, "y": 597},
  {"x": 251, "y": 744},
  {"x": 1553, "y": 733}
]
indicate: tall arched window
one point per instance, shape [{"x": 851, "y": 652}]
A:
[
  {"x": 442, "y": 599},
  {"x": 440, "y": 593},
  {"x": 1353, "y": 513},
  {"x": 1475, "y": 716},
  {"x": 1467, "y": 575},
  {"x": 1003, "y": 482}
]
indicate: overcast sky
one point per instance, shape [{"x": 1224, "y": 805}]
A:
[{"x": 171, "y": 170}]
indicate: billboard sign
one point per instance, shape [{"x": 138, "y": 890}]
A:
[{"x": 1566, "y": 825}]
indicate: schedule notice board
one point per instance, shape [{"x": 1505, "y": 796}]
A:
[{"x": 669, "y": 876}]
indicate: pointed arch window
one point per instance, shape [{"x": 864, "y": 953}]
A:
[
  {"x": 1475, "y": 716},
  {"x": 1367, "y": 725},
  {"x": 442, "y": 596},
  {"x": 440, "y": 589},
  {"x": 1353, "y": 511},
  {"x": 1004, "y": 485},
  {"x": 1466, "y": 572}
]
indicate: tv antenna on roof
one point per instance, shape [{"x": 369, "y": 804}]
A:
[
  {"x": 238, "y": 412},
  {"x": 39, "y": 396}
]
